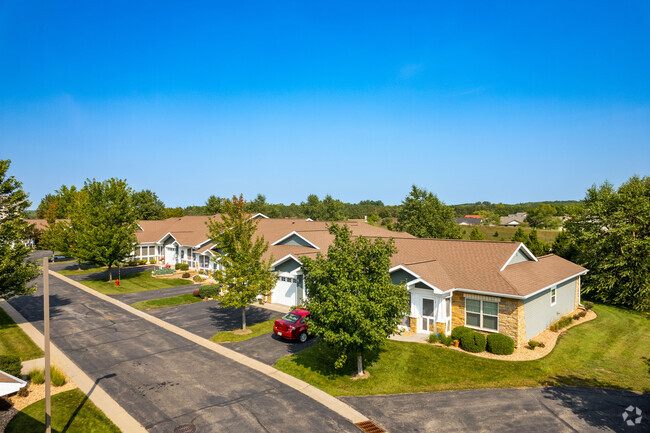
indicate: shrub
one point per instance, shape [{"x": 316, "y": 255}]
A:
[
  {"x": 196, "y": 292},
  {"x": 433, "y": 338},
  {"x": 500, "y": 344},
  {"x": 185, "y": 275},
  {"x": 576, "y": 316},
  {"x": 562, "y": 323},
  {"x": 184, "y": 267},
  {"x": 582, "y": 313},
  {"x": 588, "y": 305},
  {"x": 472, "y": 342},
  {"x": 142, "y": 262},
  {"x": 131, "y": 263},
  {"x": 152, "y": 261},
  {"x": 211, "y": 291},
  {"x": 57, "y": 377},
  {"x": 458, "y": 331},
  {"x": 23, "y": 392},
  {"x": 197, "y": 279},
  {"x": 177, "y": 266},
  {"x": 10, "y": 364},
  {"x": 446, "y": 340},
  {"x": 37, "y": 376},
  {"x": 163, "y": 271}
]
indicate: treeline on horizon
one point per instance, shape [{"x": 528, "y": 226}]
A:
[{"x": 150, "y": 207}]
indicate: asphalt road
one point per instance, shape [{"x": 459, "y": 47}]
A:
[
  {"x": 268, "y": 348},
  {"x": 165, "y": 381},
  {"x": 538, "y": 410}
]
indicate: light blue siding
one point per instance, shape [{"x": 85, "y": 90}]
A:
[
  {"x": 295, "y": 240},
  {"x": 401, "y": 277},
  {"x": 539, "y": 314},
  {"x": 287, "y": 266},
  {"x": 519, "y": 257}
]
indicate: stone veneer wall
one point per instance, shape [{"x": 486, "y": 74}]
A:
[
  {"x": 577, "y": 303},
  {"x": 511, "y": 317},
  {"x": 413, "y": 324}
]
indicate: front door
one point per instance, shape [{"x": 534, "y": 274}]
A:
[{"x": 428, "y": 319}]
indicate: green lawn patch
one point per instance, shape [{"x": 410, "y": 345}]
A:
[
  {"x": 606, "y": 352},
  {"x": 72, "y": 412},
  {"x": 506, "y": 233},
  {"x": 85, "y": 270},
  {"x": 13, "y": 341},
  {"x": 258, "y": 329},
  {"x": 135, "y": 282},
  {"x": 172, "y": 301}
]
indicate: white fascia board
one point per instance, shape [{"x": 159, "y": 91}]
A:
[
  {"x": 198, "y": 246},
  {"x": 526, "y": 251},
  {"x": 284, "y": 259},
  {"x": 405, "y": 269},
  {"x": 418, "y": 279},
  {"x": 295, "y": 233},
  {"x": 436, "y": 290},
  {"x": 259, "y": 214},
  {"x": 164, "y": 237},
  {"x": 481, "y": 292}
]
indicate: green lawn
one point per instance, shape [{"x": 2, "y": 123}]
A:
[
  {"x": 85, "y": 270},
  {"x": 72, "y": 412},
  {"x": 172, "y": 301},
  {"x": 13, "y": 341},
  {"x": 258, "y": 329},
  {"x": 506, "y": 233},
  {"x": 136, "y": 282},
  {"x": 605, "y": 352}
]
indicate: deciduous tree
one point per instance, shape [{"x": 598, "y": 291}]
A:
[
  {"x": 104, "y": 223},
  {"x": 612, "y": 235},
  {"x": 425, "y": 216},
  {"x": 243, "y": 272},
  {"x": 476, "y": 235},
  {"x": 353, "y": 303},
  {"x": 16, "y": 272},
  {"x": 148, "y": 206}
]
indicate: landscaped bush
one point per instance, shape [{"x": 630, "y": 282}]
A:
[
  {"x": 472, "y": 342},
  {"x": 588, "y": 305},
  {"x": 152, "y": 261},
  {"x": 433, "y": 338},
  {"x": 582, "y": 313},
  {"x": 37, "y": 376},
  {"x": 532, "y": 344},
  {"x": 211, "y": 291},
  {"x": 562, "y": 323},
  {"x": 500, "y": 344},
  {"x": 184, "y": 267},
  {"x": 177, "y": 266},
  {"x": 197, "y": 279},
  {"x": 163, "y": 271},
  {"x": 57, "y": 377},
  {"x": 10, "y": 364},
  {"x": 446, "y": 340},
  {"x": 142, "y": 262},
  {"x": 458, "y": 331},
  {"x": 131, "y": 263},
  {"x": 185, "y": 275}
]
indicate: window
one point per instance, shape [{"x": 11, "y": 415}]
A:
[
  {"x": 553, "y": 295},
  {"x": 482, "y": 314}
]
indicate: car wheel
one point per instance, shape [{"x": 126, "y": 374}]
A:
[{"x": 302, "y": 337}]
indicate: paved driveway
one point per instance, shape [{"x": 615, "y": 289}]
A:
[
  {"x": 268, "y": 348},
  {"x": 164, "y": 380},
  {"x": 538, "y": 410}
]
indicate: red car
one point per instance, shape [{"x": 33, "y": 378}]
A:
[{"x": 292, "y": 325}]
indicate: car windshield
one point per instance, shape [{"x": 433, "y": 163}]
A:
[{"x": 291, "y": 317}]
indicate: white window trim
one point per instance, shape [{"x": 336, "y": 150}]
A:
[
  {"x": 553, "y": 295},
  {"x": 481, "y": 328}
]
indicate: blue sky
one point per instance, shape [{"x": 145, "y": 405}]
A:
[{"x": 497, "y": 101}]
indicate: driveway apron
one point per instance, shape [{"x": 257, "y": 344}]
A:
[{"x": 164, "y": 380}]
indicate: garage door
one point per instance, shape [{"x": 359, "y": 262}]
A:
[{"x": 284, "y": 292}]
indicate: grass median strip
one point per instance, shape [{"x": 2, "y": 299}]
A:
[
  {"x": 13, "y": 341},
  {"x": 257, "y": 330},
  {"x": 136, "y": 282},
  {"x": 171, "y": 301},
  {"x": 72, "y": 412},
  {"x": 605, "y": 352}
]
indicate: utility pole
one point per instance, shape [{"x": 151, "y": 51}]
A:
[{"x": 46, "y": 320}]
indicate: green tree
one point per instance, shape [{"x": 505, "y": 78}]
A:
[
  {"x": 612, "y": 234},
  {"x": 16, "y": 272},
  {"x": 520, "y": 235},
  {"x": 148, "y": 206},
  {"x": 332, "y": 209},
  {"x": 312, "y": 208},
  {"x": 476, "y": 235},
  {"x": 353, "y": 303},
  {"x": 425, "y": 216},
  {"x": 243, "y": 272},
  {"x": 213, "y": 205},
  {"x": 104, "y": 223},
  {"x": 174, "y": 212},
  {"x": 64, "y": 197},
  {"x": 564, "y": 247},
  {"x": 535, "y": 245},
  {"x": 543, "y": 216}
]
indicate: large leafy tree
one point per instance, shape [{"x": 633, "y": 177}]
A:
[
  {"x": 243, "y": 272},
  {"x": 64, "y": 197},
  {"x": 612, "y": 235},
  {"x": 148, "y": 206},
  {"x": 312, "y": 208},
  {"x": 332, "y": 209},
  {"x": 104, "y": 222},
  {"x": 16, "y": 271},
  {"x": 543, "y": 216},
  {"x": 213, "y": 205},
  {"x": 353, "y": 303},
  {"x": 425, "y": 216}
]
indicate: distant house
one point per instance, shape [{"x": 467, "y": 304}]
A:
[
  {"x": 468, "y": 221},
  {"x": 513, "y": 220}
]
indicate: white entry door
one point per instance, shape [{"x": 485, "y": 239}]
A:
[
  {"x": 428, "y": 313},
  {"x": 170, "y": 253}
]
